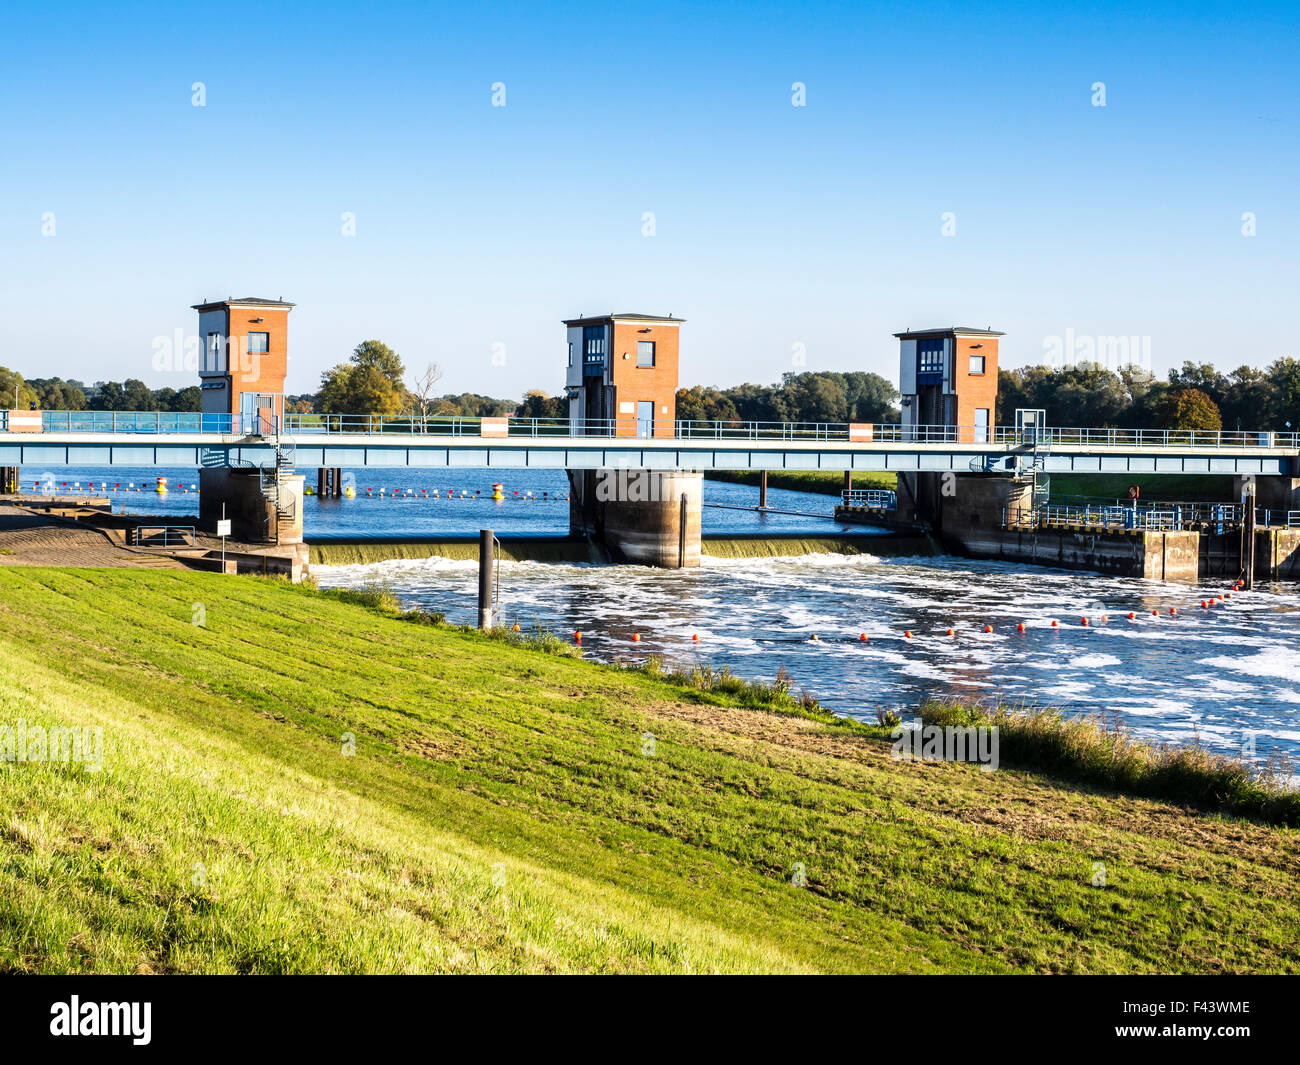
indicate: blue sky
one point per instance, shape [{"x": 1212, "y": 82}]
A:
[{"x": 774, "y": 225}]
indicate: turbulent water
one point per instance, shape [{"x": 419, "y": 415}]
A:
[{"x": 1212, "y": 674}]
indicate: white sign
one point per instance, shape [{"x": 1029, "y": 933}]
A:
[{"x": 223, "y": 527}]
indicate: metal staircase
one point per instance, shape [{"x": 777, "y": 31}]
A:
[{"x": 283, "y": 506}]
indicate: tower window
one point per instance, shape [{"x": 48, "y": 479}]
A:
[
  {"x": 645, "y": 352},
  {"x": 977, "y": 364},
  {"x": 259, "y": 343}
]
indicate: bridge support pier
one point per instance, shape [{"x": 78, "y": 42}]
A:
[
  {"x": 1272, "y": 492},
  {"x": 252, "y": 514},
  {"x": 641, "y": 517},
  {"x": 956, "y": 504},
  {"x": 9, "y": 479}
]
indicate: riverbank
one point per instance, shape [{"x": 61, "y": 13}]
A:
[{"x": 292, "y": 781}]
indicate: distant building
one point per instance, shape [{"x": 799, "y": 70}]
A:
[
  {"x": 245, "y": 359},
  {"x": 622, "y": 374},
  {"x": 949, "y": 377}
]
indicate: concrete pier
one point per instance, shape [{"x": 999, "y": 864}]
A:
[
  {"x": 251, "y": 511},
  {"x": 643, "y": 517}
]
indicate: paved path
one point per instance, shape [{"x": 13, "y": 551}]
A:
[{"x": 34, "y": 540}]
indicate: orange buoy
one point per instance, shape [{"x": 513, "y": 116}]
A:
[
  {"x": 516, "y": 629},
  {"x": 1083, "y": 621},
  {"x": 1020, "y": 627},
  {"x": 636, "y": 636},
  {"x": 1131, "y": 615},
  {"x": 1155, "y": 613},
  {"x": 862, "y": 637},
  {"x": 1105, "y": 618},
  {"x": 988, "y": 628},
  {"x": 578, "y": 636},
  {"x": 695, "y": 637},
  {"x": 1173, "y": 610},
  {"x": 1054, "y": 623},
  {"x": 1204, "y": 604},
  {"x": 908, "y": 634},
  {"x": 950, "y": 632}
]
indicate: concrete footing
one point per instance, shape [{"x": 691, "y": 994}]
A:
[
  {"x": 643, "y": 517},
  {"x": 252, "y": 514}
]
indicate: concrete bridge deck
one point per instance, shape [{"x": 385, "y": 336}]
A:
[{"x": 166, "y": 440}]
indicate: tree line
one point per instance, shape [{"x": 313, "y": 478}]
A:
[
  {"x": 374, "y": 381},
  {"x": 1195, "y": 396},
  {"x": 54, "y": 393}
]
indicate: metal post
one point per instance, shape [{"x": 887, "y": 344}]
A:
[
  {"x": 485, "y": 567},
  {"x": 1248, "y": 533},
  {"x": 762, "y": 489}
]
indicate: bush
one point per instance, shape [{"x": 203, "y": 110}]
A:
[{"x": 1095, "y": 749}]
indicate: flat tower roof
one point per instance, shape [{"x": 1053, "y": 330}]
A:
[
  {"x": 247, "y": 301},
  {"x": 950, "y": 330},
  {"x": 592, "y": 319}
]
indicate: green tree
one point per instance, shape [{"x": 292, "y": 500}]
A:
[
  {"x": 537, "y": 404},
  {"x": 1190, "y": 408},
  {"x": 369, "y": 383},
  {"x": 1284, "y": 375},
  {"x": 187, "y": 400},
  {"x": 14, "y": 392}
]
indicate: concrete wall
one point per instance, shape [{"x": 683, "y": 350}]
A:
[
  {"x": 1167, "y": 556},
  {"x": 251, "y": 514},
  {"x": 643, "y": 517}
]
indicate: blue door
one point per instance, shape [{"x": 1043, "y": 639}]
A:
[{"x": 645, "y": 418}]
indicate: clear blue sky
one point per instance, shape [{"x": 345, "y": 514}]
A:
[{"x": 774, "y": 225}]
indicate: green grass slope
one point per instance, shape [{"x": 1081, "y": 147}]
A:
[{"x": 505, "y": 811}]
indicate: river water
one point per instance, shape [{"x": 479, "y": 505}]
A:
[{"x": 1217, "y": 674}]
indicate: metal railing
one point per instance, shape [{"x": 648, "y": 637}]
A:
[
  {"x": 162, "y": 422},
  {"x": 1286, "y": 519},
  {"x": 870, "y": 498},
  {"x": 163, "y": 536},
  {"x": 1203, "y": 517}
]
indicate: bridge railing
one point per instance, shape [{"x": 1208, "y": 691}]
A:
[{"x": 162, "y": 422}]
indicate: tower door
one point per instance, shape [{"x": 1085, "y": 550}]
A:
[
  {"x": 257, "y": 413},
  {"x": 645, "y": 418}
]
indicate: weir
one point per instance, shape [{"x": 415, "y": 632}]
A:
[{"x": 635, "y": 469}]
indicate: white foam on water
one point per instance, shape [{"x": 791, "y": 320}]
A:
[
  {"x": 1276, "y": 661},
  {"x": 1095, "y": 661}
]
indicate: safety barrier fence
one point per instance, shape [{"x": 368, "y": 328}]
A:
[
  {"x": 870, "y": 498},
  {"x": 1213, "y": 517},
  {"x": 162, "y": 422},
  {"x": 163, "y": 536}
]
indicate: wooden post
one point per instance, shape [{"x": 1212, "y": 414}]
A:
[
  {"x": 320, "y": 482},
  {"x": 485, "y": 561},
  {"x": 762, "y": 489}
]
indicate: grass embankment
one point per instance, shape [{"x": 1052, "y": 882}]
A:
[
  {"x": 508, "y": 810},
  {"x": 825, "y": 482},
  {"x": 1177, "y": 487},
  {"x": 1172, "y": 487}
]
